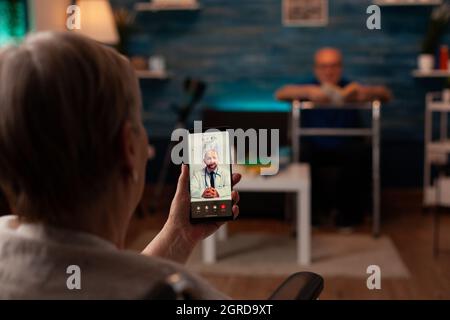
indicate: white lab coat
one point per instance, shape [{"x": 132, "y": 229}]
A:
[{"x": 222, "y": 182}]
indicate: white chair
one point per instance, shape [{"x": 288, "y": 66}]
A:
[
  {"x": 442, "y": 201},
  {"x": 373, "y": 132}
]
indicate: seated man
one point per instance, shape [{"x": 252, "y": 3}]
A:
[
  {"x": 211, "y": 181},
  {"x": 329, "y": 86},
  {"x": 340, "y": 165}
]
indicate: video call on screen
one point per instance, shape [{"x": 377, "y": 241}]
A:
[{"x": 210, "y": 174}]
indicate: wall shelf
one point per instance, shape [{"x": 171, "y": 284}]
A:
[
  {"x": 149, "y": 6},
  {"x": 407, "y": 3},
  {"x": 431, "y": 74},
  {"x": 147, "y": 74}
]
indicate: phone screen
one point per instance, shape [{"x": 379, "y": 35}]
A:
[{"x": 210, "y": 176}]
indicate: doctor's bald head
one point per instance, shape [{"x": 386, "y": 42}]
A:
[{"x": 210, "y": 159}]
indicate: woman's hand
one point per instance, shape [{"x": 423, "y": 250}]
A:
[
  {"x": 180, "y": 208},
  {"x": 178, "y": 237}
]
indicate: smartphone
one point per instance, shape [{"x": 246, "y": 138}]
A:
[{"x": 210, "y": 175}]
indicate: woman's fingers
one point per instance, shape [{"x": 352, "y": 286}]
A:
[
  {"x": 235, "y": 196},
  {"x": 183, "y": 180},
  {"x": 184, "y": 175},
  {"x": 235, "y": 179},
  {"x": 235, "y": 211}
]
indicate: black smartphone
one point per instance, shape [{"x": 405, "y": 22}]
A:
[{"x": 210, "y": 175}]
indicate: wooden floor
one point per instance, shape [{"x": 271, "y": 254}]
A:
[{"x": 403, "y": 220}]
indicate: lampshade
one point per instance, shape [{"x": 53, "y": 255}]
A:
[
  {"x": 97, "y": 21},
  {"x": 48, "y": 15}
]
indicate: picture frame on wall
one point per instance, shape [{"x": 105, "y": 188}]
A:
[{"x": 305, "y": 13}]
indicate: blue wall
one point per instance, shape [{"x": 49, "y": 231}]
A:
[{"x": 244, "y": 53}]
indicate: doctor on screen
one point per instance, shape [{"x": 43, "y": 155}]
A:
[{"x": 213, "y": 180}]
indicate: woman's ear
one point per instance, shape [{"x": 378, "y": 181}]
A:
[{"x": 129, "y": 145}]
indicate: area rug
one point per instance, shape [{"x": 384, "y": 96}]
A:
[{"x": 258, "y": 254}]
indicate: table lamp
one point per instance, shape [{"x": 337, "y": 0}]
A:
[
  {"x": 97, "y": 21},
  {"x": 48, "y": 15}
]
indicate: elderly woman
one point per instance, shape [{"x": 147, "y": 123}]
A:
[{"x": 74, "y": 150}]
